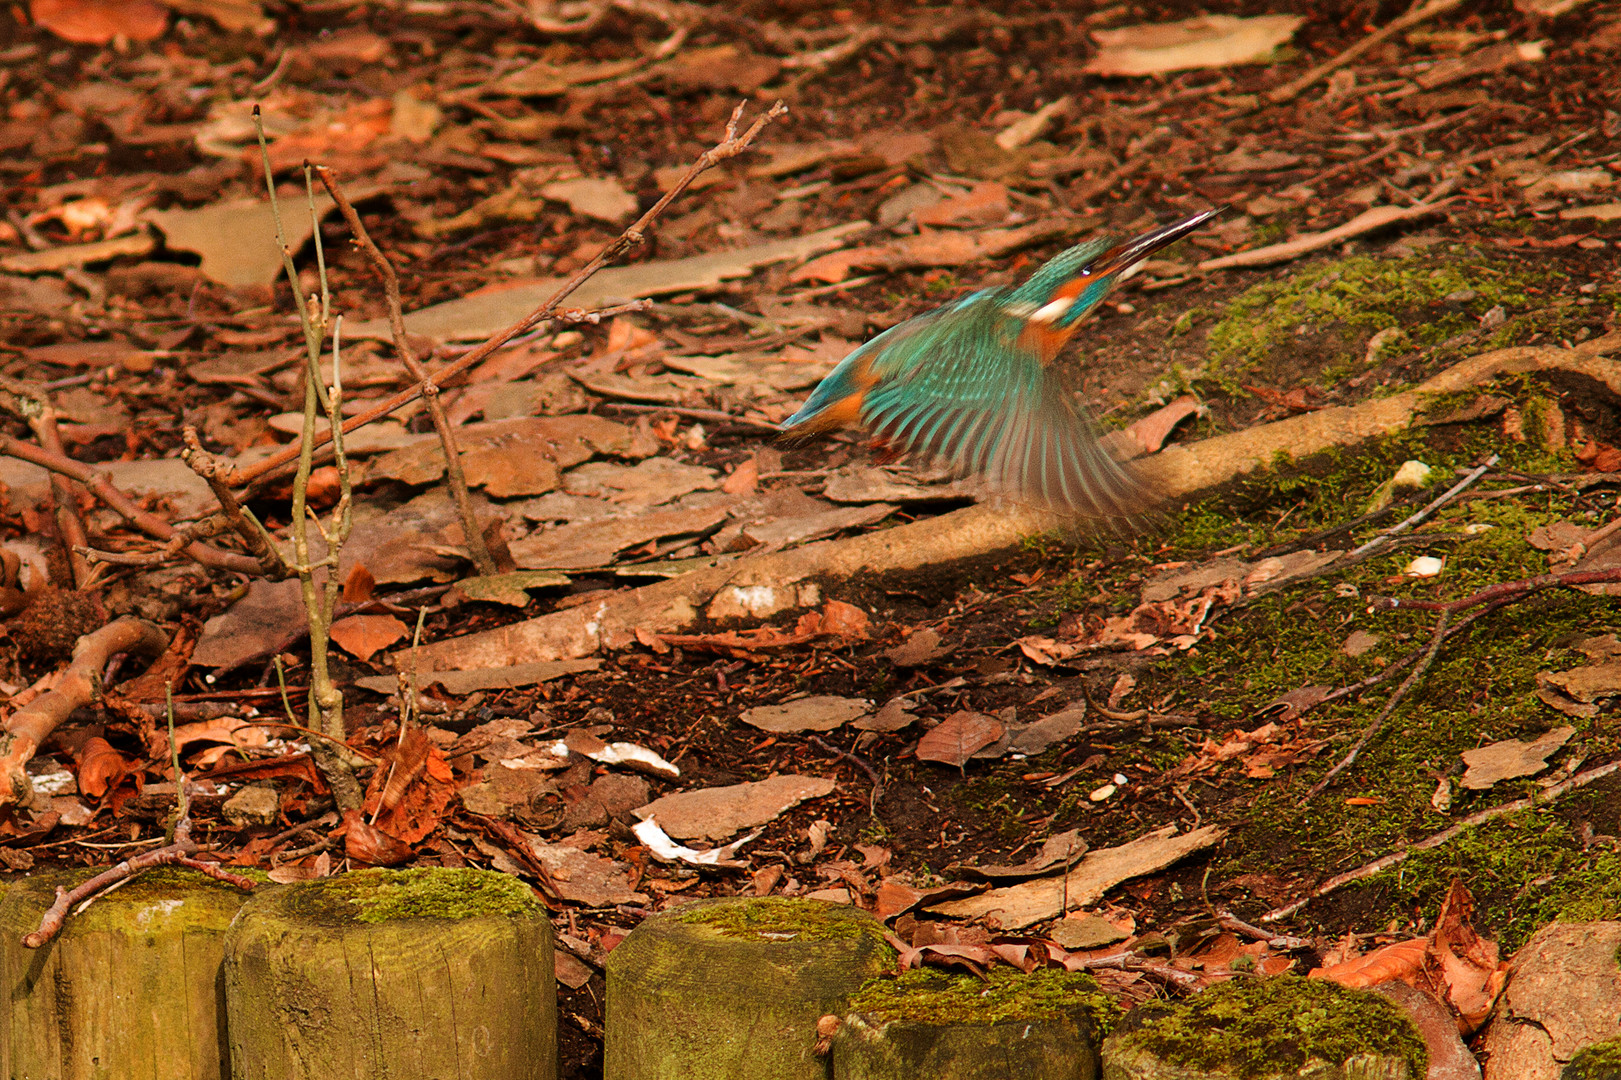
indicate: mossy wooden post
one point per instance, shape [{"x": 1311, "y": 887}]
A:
[
  {"x": 1269, "y": 1029},
  {"x": 1009, "y": 1026},
  {"x": 733, "y": 988},
  {"x": 130, "y": 987},
  {"x": 393, "y": 973}
]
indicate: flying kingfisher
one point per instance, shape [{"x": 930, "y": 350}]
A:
[{"x": 972, "y": 384}]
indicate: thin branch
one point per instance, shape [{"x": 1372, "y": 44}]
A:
[
  {"x": 1503, "y": 590},
  {"x": 1581, "y": 779},
  {"x": 1415, "y": 15},
  {"x": 455, "y": 478},
  {"x": 730, "y": 146},
  {"x": 1445, "y": 497},
  {"x": 241, "y": 519},
  {"x": 176, "y": 854},
  {"x": 1384, "y": 714},
  {"x": 102, "y": 488}
]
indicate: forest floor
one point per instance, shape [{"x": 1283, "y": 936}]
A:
[{"x": 925, "y": 152}]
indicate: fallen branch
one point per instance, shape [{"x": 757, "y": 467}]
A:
[
  {"x": 1368, "y": 221},
  {"x": 77, "y": 686},
  {"x": 1413, "y": 519},
  {"x": 759, "y": 586},
  {"x": 1416, "y": 14},
  {"x": 1581, "y": 779},
  {"x": 102, "y": 488},
  {"x": 731, "y": 145},
  {"x": 1502, "y": 591},
  {"x": 32, "y": 404}
]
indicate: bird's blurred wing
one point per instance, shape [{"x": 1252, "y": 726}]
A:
[{"x": 964, "y": 391}]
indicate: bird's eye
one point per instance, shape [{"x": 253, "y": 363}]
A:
[{"x": 1086, "y": 271}]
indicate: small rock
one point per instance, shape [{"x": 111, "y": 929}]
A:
[{"x": 256, "y": 804}]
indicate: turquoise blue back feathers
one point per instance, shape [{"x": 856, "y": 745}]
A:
[{"x": 972, "y": 384}]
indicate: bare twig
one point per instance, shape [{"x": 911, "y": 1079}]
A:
[
  {"x": 33, "y": 405},
  {"x": 1413, "y": 519},
  {"x": 102, "y": 488},
  {"x": 455, "y": 478},
  {"x": 1503, "y": 590},
  {"x": 239, "y": 517},
  {"x": 176, "y": 854},
  {"x": 872, "y": 773},
  {"x": 1581, "y": 779},
  {"x": 1384, "y": 714},
  {"x": 714, "y": 416},
  {"x": 730, "y": 146},
  {"x": 1416, "y": 14}
]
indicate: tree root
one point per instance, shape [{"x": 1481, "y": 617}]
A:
[
  {"x": 78, "y": 685},
  {"x": 753, "y": 588}
]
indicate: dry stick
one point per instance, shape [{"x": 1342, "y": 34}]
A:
[
  {"x": 729, "y": 147},
  {"x": 1384, "y": 714},
  {"x": 712, "y": 415},
  {"x": 1415, "y": 15},
  {"x": 241, "y": 519},
  {"x": 1581, "y": 779},
  {"x": 1445, "y": 497},
  {"x": 1493, "y": 597},
  {"x": 1503, "y": 591},
  {"x": 455, "y": 478},
  {"x": 121, "y": 504},
  {"x": 176, "y": 854}
]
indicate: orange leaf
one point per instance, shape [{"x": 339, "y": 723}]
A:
[
  {"x": 369, "y": 844},
  {"x": 844, "y": 620},
  {"x": 101, "y": 768},
  {"x": 1403, "y": 960},
  {"x": 359, "y": 585},
  {"x": 364, "y": 635},
  {"x": 97, "y": 22}
]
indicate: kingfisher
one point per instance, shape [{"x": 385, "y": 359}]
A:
[{"x": 972, "y": 384}]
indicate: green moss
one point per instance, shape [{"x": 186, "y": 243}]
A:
[
  {"x": 1601, "y": 1061},
  {"x": 1349, "y": 299},
  {"x": 173, "y": 896},
  {"x": 1255, "y": 1029},
  {"x": 374, "y": 896},
  {"x": 782, "y": 918},
  {"x": 930, "y": 996}
]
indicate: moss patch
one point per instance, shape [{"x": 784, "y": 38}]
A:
[
  {"x": 929, "y": 996},
  {"x": 374, "y": 896},
  {"x": 776, "y": 918},
  {"x": 1255, "y": 1029},
  {"x": 1601, "y": 1061},
  {"x": 1332, "y": 307}
]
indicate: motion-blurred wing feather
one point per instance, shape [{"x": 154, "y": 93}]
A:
[{"x": 961, "y": 389}]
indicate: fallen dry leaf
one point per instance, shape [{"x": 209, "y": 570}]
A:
[
  {"x": 958, "y": 737},
  {"x": 363, "y": 636},
  {"x": 1209, "y": 41}
]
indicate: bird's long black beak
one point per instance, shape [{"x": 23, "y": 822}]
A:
[{"x": 1122, "y": 257}]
